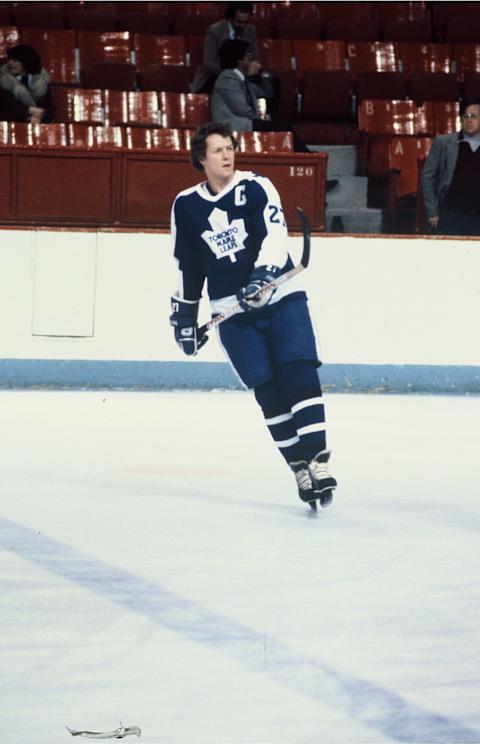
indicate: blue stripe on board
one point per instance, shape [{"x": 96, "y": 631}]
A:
[
  {"x": 370, "y": 704},
  {"x": 192, "y": 375}
]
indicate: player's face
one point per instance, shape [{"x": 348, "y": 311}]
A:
[
  {"x": 471, "y": 120},
  {"x": 219, "y": 160}
]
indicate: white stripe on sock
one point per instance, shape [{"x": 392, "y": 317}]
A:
[
  {"x": 305, "y": 403},
  {"x": 287, "y": 442},
  {"x": 279, "y": 419},
  {"x": 310, "y": 429}
]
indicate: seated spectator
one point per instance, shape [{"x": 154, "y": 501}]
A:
[
  {"x": 235, "y": 26},
  {"x": 25, "y": 87},
  {"x": 235, "y": 99}
]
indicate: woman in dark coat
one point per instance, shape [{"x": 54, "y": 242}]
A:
[{"x": 25, "y": 87}]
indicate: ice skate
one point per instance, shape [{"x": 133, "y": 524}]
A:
[
  {"x": 304, "y": 483},
  {"x": 323, "y": 482}
]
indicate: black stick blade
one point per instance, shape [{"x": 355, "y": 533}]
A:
[{"x": 306, "y": 238}]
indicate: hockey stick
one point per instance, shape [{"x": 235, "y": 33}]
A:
[{"x": 214, "y": 322}]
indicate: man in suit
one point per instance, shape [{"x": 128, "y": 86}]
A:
[
  {"x": 235, "y": 26},
  {"x": 451, "y": 177},
  {"x": 235, "y": 99}
]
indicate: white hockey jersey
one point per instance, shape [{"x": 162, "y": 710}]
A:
[{"x": 223, "y": 237}]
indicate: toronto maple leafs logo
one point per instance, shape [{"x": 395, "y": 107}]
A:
[{"x": 225, "y": 238}]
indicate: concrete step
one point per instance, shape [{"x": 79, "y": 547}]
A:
[
  {"x": 354, "y": 220},
  {"x": 342, "y": 159},
  {"x": 350, "y": 191}
]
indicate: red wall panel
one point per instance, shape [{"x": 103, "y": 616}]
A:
[
  {"x": 66, "y": 188},
  {"x": 125, "y": 188},
  {"x": 150, "y": 186},
  {"x": 6, "y": 192}
]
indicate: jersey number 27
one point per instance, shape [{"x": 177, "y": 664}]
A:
[{"x": 277, "y": 216}]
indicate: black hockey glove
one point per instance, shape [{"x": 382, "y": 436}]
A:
[
  {"x": 184, "y": 321},
  {"x": 260, "y": 278}
]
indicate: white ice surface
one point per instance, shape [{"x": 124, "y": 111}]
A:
[{"x": 158, "y": 568}]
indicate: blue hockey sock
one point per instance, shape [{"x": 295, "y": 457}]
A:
[
  {"x": 300, "y": 388},
  {"x": 279, "y": 420}
]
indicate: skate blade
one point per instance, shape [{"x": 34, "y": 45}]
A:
[{"x": 325, "y": 497}]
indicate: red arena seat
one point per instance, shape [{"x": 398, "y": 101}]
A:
[
  {"x": 77, "y": 105},
  {"x": 39, "y": 15},
  {"x": 416, "y": 31},
  {"x": 137, "y": 108},
  {"x": 403, "y": 156},
  {"x": 162, "y": 50},
  {"x": 184, "y": 110},
  {"x": 86, "y": 18},
  {"x": 471, "y": 84},
  {"x": 5, "y": 15},
  {"x": 401, "y": 11},
  {"x": 192, "y": 25},
  {"x": 91, "y": 136},
  {"x": 376, "y": 85},
  {"x": 438, "y": 117},
  {"x": 276, "y": 54},
  {"x": 4, "y": 138},
  {"x": 349, "y": 29},
  {"x": 319, "y": 55},
  {"x": 114, "y": 75},
  {"x": 165, "y": 77},
  {"x": 433, "y": 86},
  {"x": 57, "y": 51},
  {"x": 387, "y": 117},
  {"x": 464, "y": 30},
  {"x": 265, "y": 141},
  {"x": 360, "y": 11},
  {"x": 442, "y": 11},
  {"x": 467, "y": 59},
  {"x": 292, "y": 27},
  {"x": 326, "y": 94},
  {"x": 154, "y": 139},
  {"x": 144, "y": 23},
  {"x": 418, "y": 57},
  {"x": 9, "y": 36},
  {"x": 378, "y": 56},
  {"x": 20, "y": 134},
  {"x": 95, "y": 46},
  {"x": 49, "y": 135}
]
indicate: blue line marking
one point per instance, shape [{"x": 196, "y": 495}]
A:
[{"x": 368, "y": 703}]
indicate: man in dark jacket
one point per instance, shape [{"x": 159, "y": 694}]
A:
[
  {"x": 451, "y": 177},
  {"x": 235, "y": 99},
  {"x": 235, "y": 26}
]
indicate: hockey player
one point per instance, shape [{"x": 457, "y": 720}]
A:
[{"x": 230, "y": 231}]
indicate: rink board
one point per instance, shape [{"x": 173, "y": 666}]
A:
[{"x": 90, "y": 309}]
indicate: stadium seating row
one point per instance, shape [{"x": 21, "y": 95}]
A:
[
  {"x": 381, "y": 122},
  {"x": 335, "y": 20},
  {"x": 86, "y": 136},
  {"x": 67, "y": 55},
  {"x": 134, "y": 108},
  {"x": 405, "y": 118},
  {"x": 188, "y": 110}
]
